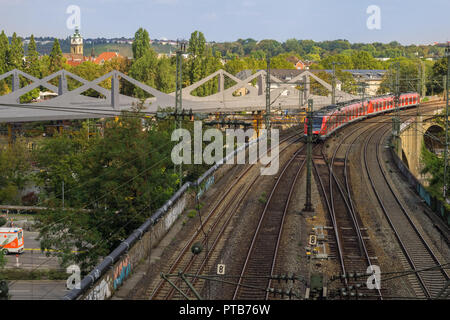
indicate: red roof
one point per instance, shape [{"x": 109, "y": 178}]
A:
[
  {"x": 75, "y": 59},
  {"x": 105, "y": 56}
]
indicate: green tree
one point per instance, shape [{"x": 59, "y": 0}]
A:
[
  {"x": 292, "y": 45},
  {"x": 141, "y": 43},
  {"x": 200, "y": 64},
  {"x": 270, "y": 47},
  {"x": 32, "y": 66},
  {"x": 56, "y": 57},
  {"x": 4, "y": 48},
  {"x": 235, "y": 66},
  {"x": 165, "y": 77},
  {"x": 407, "y": 75},
  {"x": 364, "y": 60},
  {"x": 116, "y": 181},
  {"x": 436, "y": 78},
  {"x": 15, "y": 53},
  {"x": 197, "y": 44},
  {"x": 280, "y": 62},
  {"x": 434, "y": 166},
  {"x": 341, "y": 62},
  {"x": 89, "y": 71},
  {"x": 14, "y": 171},
  {"x": 145, "y": 69}
]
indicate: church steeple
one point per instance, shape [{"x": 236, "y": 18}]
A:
[{"x": 76, "y": 43}]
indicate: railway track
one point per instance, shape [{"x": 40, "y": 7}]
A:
[
  {"x": 415, "y": 247},
  {"x": 351, "y": 246},
  {"x": 212, "y": 234},
  {"x": 262, "y": 253}
]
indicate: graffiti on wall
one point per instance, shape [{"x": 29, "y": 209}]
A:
[
  {"x": 121, "y": 272},
  {"x": 206, "y": 186},
  {"x": 174, "y": 212},
  {"x": 101, "y": 291}
]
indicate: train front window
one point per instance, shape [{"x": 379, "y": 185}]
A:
[{"x": 317, "y": 123}]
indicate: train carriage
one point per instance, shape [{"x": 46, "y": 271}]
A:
[{"x": 331, "y": 118}]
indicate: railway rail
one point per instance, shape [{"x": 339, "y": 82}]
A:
[
  {"x": 262, "y": 253},
  {"x": 417, "y": 250},
  {"x": 211, "y": 234},
  {"x": 352, "y": 244},
  {"x": 352, "y": 247}
]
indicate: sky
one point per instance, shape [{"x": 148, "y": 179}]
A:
[{"x": 405, "y": 21}]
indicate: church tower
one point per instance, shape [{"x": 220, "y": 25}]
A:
[{"x": 76, "y": 43}]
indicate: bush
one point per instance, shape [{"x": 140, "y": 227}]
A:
[
  {"x": 192, "y": 213},
  {"x": 2, "y": 221},
  {"x": 262, "y": 199}
]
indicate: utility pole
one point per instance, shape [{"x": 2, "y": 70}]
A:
[
  {"x": 447, "y": 54},
  {"x": 301, "y": 90},
  {"x": 308, "y": 203},
  {"x": 362, "y": 89},
  {"x": 333, "y": 85},
  {"x": 420, "y": 86},
  {"x": 396, "y": 118},
  {"x": 178, "y": 99},
  {"x": 268, "y": 98}
]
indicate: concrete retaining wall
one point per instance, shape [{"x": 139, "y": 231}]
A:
[{"x": 435, "y": 205}]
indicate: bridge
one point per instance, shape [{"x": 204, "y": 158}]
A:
[
  {"x": 71, "y": 104},
  {"x": 415, "y": 132}
]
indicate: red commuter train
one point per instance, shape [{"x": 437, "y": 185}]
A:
[{"x": 331, "y": 118}]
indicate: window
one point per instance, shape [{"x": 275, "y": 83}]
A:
[{"x": 317, "y": 123}]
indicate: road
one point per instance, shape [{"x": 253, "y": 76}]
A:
[
  {"x": 32, "y": 257},
  {"x": 37, "y": 289}
]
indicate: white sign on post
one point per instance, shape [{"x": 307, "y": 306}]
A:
[{"x": 221, "y": 269}]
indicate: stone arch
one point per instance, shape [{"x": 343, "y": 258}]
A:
[{"x": 430, "y": 138}]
